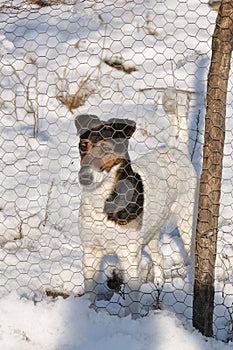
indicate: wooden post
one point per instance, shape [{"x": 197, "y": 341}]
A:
[{"x": 210, "y": 184}]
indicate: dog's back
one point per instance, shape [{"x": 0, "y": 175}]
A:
[{"x": 169, "y": 181}]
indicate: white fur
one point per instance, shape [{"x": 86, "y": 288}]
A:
[{"x": 169, "y": 183}]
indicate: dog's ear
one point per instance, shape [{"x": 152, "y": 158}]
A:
[
  {"x": 86, "y": 122},
  {"x": 125, "y": 125}
]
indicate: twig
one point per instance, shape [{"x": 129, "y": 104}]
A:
[
  {"x": 102, "y": 52},
  {"x": 21, "y": 222},
  {"x": 161, "y": 89},
  {"x": 44, "y": 221},
  {"x": 32, "y": 110},
  {"x": 159, "y": 289},
  {"x": 230, "y": 327},
  {"x": 197, "y": 133}
]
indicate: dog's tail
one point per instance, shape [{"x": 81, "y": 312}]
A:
[{"x": 178, "y": 136}]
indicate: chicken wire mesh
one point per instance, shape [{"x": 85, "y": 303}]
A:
[{"x": 61, "y": 59}]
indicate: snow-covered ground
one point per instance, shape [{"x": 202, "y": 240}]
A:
[
  {"x": 70, "y": 325},
  {"x": 47, "y": 55}
]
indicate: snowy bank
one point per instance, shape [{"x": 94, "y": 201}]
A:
[{"x": 70, "y": 325}]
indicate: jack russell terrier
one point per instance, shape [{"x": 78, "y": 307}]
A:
[{"x": 126, "y": 205}]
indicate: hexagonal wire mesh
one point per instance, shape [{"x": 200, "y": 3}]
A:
[{"x": 60, "y": 59}]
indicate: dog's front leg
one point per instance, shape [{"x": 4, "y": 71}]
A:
[
  {"x": 92, "y": 257},
  {"x": 130, "y": 263},
  {"x": 155, "y": 254}
]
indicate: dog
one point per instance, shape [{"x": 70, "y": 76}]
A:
[{"x": 126, "y": 205}]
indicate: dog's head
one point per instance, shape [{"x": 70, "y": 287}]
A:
[{"x": 102, "y": 146}]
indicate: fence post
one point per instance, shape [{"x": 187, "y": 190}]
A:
[{"x": 210, "y": 184}]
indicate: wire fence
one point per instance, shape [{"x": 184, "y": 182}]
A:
[{"x": 61, "y": 59}]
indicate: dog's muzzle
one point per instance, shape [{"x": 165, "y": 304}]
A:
[{"x": 86, "y": 177}]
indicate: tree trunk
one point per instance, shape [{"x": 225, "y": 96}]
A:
[{"x": 210, "y": 184}]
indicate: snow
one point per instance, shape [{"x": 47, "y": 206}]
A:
[
  {"x": 70, "y": 325},
  {"x": 168, "y": 43}
]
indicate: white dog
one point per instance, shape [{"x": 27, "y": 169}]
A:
[{"x": 125, "y": 206}]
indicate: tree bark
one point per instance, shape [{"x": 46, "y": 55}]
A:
[{"x": 210, "y": 183}]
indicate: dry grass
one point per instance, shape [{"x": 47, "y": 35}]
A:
[
  {"x": 78, "y": 98},
  {"x": 118, "y": 64},
  {"x": 148, "y": 27},
  {"x": 41, "y": 3},
  {"x": 33, "y": 5},
  {"x": 32, "y": 103},
  {"x": 55, "y": 294}
]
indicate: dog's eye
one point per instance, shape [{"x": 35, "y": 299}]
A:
[{"x": 83, "y": 147}]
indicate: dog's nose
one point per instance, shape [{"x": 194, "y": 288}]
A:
[{"x": 85, "y": 176}]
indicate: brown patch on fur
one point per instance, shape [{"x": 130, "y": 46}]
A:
[
  {"x": 101, "y": 156},
  {"x": 108, "y": 164}
]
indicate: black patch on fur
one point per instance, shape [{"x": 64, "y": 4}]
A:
[
  {"x": 103, "y": 133},
  {"x": 126, "y": 201},
  {"x": 115, "y": 281}
]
